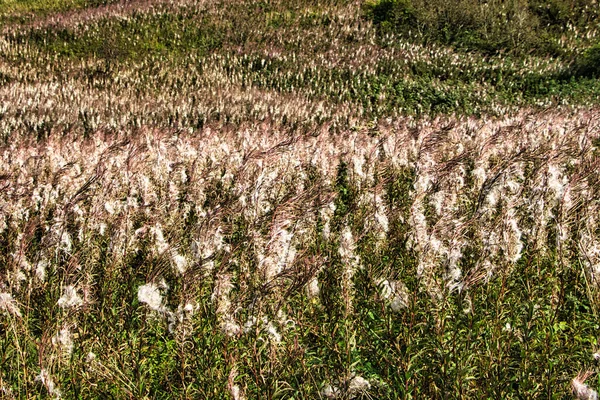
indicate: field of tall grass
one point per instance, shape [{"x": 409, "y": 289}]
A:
[{"x": 298, "y": 200}]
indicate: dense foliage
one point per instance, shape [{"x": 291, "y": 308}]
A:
[
  {"x": 309, "y": 199},
  {"x": 561, "y": 29},
  {"x": 547, "y": 28}
]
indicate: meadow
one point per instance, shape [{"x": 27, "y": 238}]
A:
[{"x": 319, "y": 199}]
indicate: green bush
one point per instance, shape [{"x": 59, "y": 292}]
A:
[
  {"x": 492, "y": 27},
  {"x": 588, "y": 64},
  {"x": 556, "y": 15},
  {"x": 392, "y": 13}
]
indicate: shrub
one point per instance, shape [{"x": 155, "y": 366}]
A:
[
  {"x": 391, "y": 13},
  {"x": 588, "y": 64},
  {"x": 492, "y": 27}
]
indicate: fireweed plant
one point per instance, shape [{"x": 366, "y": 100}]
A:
[
  {"x": 305, "y": 206},
  {"x": 445, "y": 256}
]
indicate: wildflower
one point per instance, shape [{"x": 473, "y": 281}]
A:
[
  {"x": 45, "y": 379},
  {"x": 8, "y": 304},
  {"x": 437, "y": 201},
  {"x": 479, "y": 175},
  {"x": 330, "y": 392},
  {"x": 396, "y": 293},
  {"x": 281, "y": 254},
  {"x": 351, "y": 263},
  {"x": 236, "y": 391},
  {"x": 581, "y": 390},
  {"x": 40, "y": 270},
  {"x": 63, "y": 339},
  {"x": 272, "y": 331},
  {"x": 69, "y": 298},
  {"x": 230, "y": 327},
  {"x": 220, "y": 298},
  {"x": 555, "y": 182},
  {"x": 150, "y": 294},
  {"x": 250, "y": 323},
  {"x": 312, "y": 289},
  {"x": 178, "y": 317},
  {"x": 358, "y": 163},
  {"x": 326, "y": 213},
  {"x": 180, "y": 263},
  {"x": 380, "y": 214},
  {"x": 90, "y": 357},
  {"x": 66, "y": 243},
  {"x": 512, "y": 238},
  {"x": 160, "y": 242},
  {"x": 347, "y": 248},
  {"x": 110, "y": 207},
  {"x": 358, "y": 385}
]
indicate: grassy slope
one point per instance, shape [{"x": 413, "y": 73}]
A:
[
  {"x": 319, "y": 51},
  {"x": 311, "y": 67},
  {"x": 39, "y": 7}
]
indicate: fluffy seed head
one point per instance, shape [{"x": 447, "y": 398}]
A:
[{"x": 150, "y": 295}]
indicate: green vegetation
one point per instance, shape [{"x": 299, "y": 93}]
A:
[
  {"x": 299, "y": 199},
  {"x": 514, "y": 329},
  {"x": 589, "y": 63},
  {"x": 547, "y": 28},
  {"x": 562, "y": 30},
  {"x": 22, "y": 11},
  {"x": 133, "y": 39},
  {"x": 406, "y": 75}
]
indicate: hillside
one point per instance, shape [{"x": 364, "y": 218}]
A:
[{"x": 310, "y": 199}]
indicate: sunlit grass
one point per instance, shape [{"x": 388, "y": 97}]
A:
[{"x": 280, "y": 200}]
